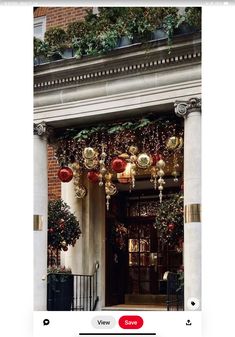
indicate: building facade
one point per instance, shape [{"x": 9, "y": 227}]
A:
[{"x": 124, "y": 84}]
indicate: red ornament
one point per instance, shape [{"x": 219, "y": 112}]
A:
[
  {"x": 65, "y": 174},
  {"x": 170, "y": 227},
  {"x": 93, "y": 176},
  {"x": 118, "y": 165},
  {"x": 50, "y": 230},
  {"x": 65, "y": 248},
  {"x": 155, "y": 158}
]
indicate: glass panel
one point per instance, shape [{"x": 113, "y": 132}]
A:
[
  {"x": 133, "y": 245},
  {"x": 144, "y": 259},
  {"x": 144, "y": 231},
  {"x": 145, "y": 287},
  {"x": 145, "y": 245},
  {"x": 133, "y": 231},
  {"x": 133, "y": 273},
  {"x": 133, "y": 259},
  {"x": 145, "y": 274}
]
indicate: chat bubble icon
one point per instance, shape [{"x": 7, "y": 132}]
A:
[{"x": 46, "y": 321}]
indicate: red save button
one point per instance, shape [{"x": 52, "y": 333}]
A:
[{"x": 131, "y": 322}]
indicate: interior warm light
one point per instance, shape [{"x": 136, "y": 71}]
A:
[{"x": 125, "y": 177}]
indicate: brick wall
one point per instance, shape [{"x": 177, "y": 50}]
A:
[
  {"x": 57, "y": 16},
  {"x": 54, "y": 184},
  {"x": 60, "y": 16}
]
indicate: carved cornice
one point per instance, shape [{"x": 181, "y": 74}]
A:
[
  {"x": 183, "y": 108},
  {"x": 127, "y": 62}
]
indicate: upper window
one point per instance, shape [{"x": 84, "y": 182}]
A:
[{"x": 39, "y": 27}]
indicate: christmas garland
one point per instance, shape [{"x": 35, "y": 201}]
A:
[
  {"x": 63, "y": 226},
  {"x": 169, "y": 221}
]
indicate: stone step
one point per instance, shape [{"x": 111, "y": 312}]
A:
[{"x": 145, "y": 299}]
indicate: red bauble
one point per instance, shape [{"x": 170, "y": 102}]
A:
[
  {"x": 171, "y": 226},
  {"x": 93, "y": 176},
  {"x": 50, "y": 230},
  {"x": 65, "y": 248},
  {"x": 156, "y": 157},
  {"x": 118, "y": 165},
  {"x": 65, "y": 174}
]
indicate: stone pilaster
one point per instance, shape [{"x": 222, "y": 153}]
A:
[
  {"x": 40, "y": 216},
  {"x": 191, "y": 112}
]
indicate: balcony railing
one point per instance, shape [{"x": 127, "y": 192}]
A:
[{"x": 72, "y": 292}]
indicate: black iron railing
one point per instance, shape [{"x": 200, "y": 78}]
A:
[
  {"x": 74, "y": 292},
  {"x": 175, "y": 292}
]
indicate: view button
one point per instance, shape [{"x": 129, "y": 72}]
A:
[{"x": 131, "y": 322}]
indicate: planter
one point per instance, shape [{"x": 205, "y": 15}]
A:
[
  {"x": 124, "y": 41},
  {"x": 68, "y": 53},
  {"x": 184, "y": 28},
  {"x": 59, "y": 292},
  {"x": 56, "y": 56},
  {"x": 40, "y": 60},
  {"x": 158, "y": 34}
]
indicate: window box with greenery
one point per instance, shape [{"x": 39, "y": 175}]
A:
[
  {"x": 116, "y": 27},
  {"x": 41, "y": 49},
  {"x": 56, "y": 38}
]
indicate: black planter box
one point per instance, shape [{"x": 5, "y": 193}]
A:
[{"x": 59, "y": 292}]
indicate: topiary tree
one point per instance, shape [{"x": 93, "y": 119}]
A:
[{"x": 63, "y": 226}]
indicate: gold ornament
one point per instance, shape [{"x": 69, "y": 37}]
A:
[
  {"x": 63, "y": 243},
  {"x": 90, "y": 164},
  {"x": 89, "y": 153},
  {"x": 111, "y": 189},
  {"x": 144, "y": 160},
  {"x": 124, "y": 156},
  {"x": 161, "y": 164},
  {"x": 133, "y": 149},
  {"x": 172, "y": 143},
  {"x": 181, "y": 142},
  {"x": 80, "y": 192}
]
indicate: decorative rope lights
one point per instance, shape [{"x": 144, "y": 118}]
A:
[{"x": 120, "y": 152}]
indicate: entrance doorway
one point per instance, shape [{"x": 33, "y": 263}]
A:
[{"x": 136, "y": 259}]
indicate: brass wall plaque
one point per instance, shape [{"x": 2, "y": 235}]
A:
[
  {"x": 37, "y": 222},
  {"x": 192, "y": 213}
]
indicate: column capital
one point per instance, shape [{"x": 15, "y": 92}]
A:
[
  {"x": 42, "y": 130},
  {"x": 183, "y": 108}
]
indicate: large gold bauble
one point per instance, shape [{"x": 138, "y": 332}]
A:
[
  {"x": 89, "y": 153},
  {"x": 172, "y": 143},
  {"x": 144, "y": 160},
  {"x": 63, "y": 243}
]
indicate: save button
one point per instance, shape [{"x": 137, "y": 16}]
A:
[{"x": 131, "y": 322}]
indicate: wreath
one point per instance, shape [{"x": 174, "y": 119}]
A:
[
  {"x": 170, "y": 221},
  {"x": 63, "y": 226}
]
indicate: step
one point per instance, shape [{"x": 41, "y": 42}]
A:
[{"x": 145, "y": 299}]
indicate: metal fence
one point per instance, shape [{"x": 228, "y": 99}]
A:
[
  {"x": 175, "y": 293},
  {"x": 74, "y": 292}
]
